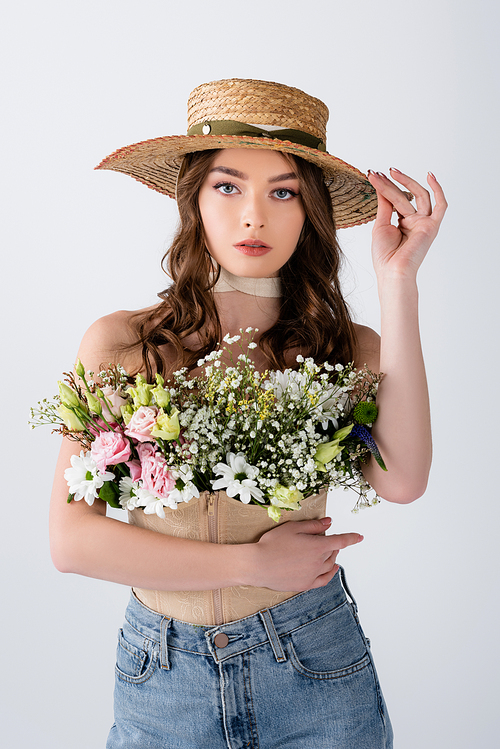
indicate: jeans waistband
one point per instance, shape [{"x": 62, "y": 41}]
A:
[{"x": 241, "y": 635}]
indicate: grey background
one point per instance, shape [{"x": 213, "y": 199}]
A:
[{"x": 414, "y": 85}]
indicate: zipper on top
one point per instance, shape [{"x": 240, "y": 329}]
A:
[{"x": 213, "y": 537}]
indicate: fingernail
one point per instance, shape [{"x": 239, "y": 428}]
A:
[
  {"x": 370, "y": 171},
  {"x": 326, "y": 521},
  {"x": 381, "y": 174},
  {"x": 393, "y": 169},
  {"x": 360, "y": 538},
  {"x": 431, "y": 175}
]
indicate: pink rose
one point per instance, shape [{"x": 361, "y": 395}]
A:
[
  {"x": 116, "y": 399},
  {"x": 109, "y": 449},
  {"x": 155, "y": 473},
  {"x": 141, "y": 424}
]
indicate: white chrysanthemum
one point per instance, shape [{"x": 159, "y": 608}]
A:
[
  {"x": 238, "y": 478},
  {"x": 188, "y": 491},
  {"x": 150, "y": 503},
  {"x": 84, "y": 480},
  {"x": 128, "y": 493}
]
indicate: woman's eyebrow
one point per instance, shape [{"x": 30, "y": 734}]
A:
[
  {"x": 282, "y": 177},
  {"x": 228, "y": 170},
  {"x": 241, "y": 175}
]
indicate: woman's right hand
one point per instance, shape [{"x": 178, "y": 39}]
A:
[{"x": 297, "y": 556}]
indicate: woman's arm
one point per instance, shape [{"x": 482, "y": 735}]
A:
[
  {"x": 294, "y": 556},
  {"x": 402, "y": 430}
]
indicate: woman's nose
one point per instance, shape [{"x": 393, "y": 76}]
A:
[{"x": 253, "y": 215}]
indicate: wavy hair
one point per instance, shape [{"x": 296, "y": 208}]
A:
[{"x": 313, "y": 319}]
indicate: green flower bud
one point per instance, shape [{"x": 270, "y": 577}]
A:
[
  {"x": 326, "y": 452},
  {"x": 162, "y": 396},
  {"x": 341, "y": 434},
  {"x": 159, "y": 380},
  {"x": 70, "y": 419},
  {"x": 141, "y": 393},
  {"x": 127, "y": 413},
  {"x": 167, "y": 427},
  {"x": 95, "y": 405},
  {"x": 287, "y": 497},
  {"x": 274, "y": 513},
  {"x": 80, "y": 369},
  {"x": 68, "y": 396}
]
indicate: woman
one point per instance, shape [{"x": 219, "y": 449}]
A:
[{"x": 254, "y": 640}]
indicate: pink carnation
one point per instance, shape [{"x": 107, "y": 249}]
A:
[
  {"x": 155, "y": 474},
  {"x": 135, "y": 469},
  {"x": 109, "y": 449},
  {"x": 141, "y": 424}
]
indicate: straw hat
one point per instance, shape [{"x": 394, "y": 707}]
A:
[{"x": 238, "y": 113}]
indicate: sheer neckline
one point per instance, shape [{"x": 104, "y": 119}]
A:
[{"x": 263, "y": 287}]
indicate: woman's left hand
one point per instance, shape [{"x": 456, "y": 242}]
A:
[{"x": 398, "y": 250}]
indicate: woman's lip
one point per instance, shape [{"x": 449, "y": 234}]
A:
[{"x": 252, "y": 247}]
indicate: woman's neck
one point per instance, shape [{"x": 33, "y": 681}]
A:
[{"x": 247, "y": 302}]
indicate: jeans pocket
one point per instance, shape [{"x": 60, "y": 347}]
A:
[
  {"x": 329, "y": 647},
  {"x": 135, "y": 664}
]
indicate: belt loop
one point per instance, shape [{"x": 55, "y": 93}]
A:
[
  {"x": 165, "y": 624},
  {"x": 346, "y": 588},
  {"x": 268, "y": 623}
]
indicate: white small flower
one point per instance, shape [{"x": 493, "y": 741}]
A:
[
  {"x": 252, "y": 344},
  {"x": 128, "y": 493},
  {"x": 299, "y": 358},
  {"x": 84, "y": 480},
  {"x": 238, "y": 478},
  {"x": 150, "y": 503},
  {"x": 188, "y": 491}
]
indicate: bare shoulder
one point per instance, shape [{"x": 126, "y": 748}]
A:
[
  {"x": 110, "y": 340},
  {"x": 368, "y": 347}
]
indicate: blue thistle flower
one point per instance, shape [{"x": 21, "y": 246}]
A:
[{"x": 364, "y": 436}]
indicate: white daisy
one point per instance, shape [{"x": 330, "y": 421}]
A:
[
  {"x": 128, "y": 493},
  {"x": 187, "y": 491},
  {"x": 84, "y": 480},
  {"x": 238, "y": 478},
  {"x": 150, "y": 503}
]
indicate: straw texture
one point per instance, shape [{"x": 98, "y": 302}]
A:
[{"x": 156, "y": 162}]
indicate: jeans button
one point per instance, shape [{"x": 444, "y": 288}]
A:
[{"x": 221, "y": 640}]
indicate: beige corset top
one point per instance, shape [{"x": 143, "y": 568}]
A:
[{"x": 218, "y": 518}]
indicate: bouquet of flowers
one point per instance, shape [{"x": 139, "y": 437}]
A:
[{"x": 270, "y": 439}]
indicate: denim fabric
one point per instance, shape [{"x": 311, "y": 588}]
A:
[{"x": 296, "y": 676}]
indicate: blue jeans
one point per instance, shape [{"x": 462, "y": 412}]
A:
[{"x": 298, "y": 675}]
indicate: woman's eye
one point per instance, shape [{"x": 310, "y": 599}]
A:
[
  {"x": 226, "y": 188},
  {"x": 283, "y": 193}
]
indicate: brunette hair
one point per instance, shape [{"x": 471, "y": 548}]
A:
[{"x": 314, "y": 318}]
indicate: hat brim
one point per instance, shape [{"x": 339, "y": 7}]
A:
[{"x": 156, "y": 164}]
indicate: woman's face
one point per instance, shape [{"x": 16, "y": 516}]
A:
[{"x": 252, "y": 211}]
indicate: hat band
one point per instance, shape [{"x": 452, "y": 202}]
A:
[{"x": 233, "y": 127}]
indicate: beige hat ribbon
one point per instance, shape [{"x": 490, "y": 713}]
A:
[{"x": 233, "y": 127}]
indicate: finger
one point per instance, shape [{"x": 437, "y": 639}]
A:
[
  {"x": 342, "y": 540},
  {"x": 384, "y": 208},
  {"x": 392, "y": 193},
  {"x": 440, "y": 201},
  {"x": 312, "y": 526},
  {"x": 325, "y": 578},
  {"x": 422, "y": 197}
]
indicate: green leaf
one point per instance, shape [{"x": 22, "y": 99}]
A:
[{"x": 109, "y": 492}]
